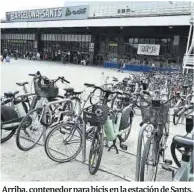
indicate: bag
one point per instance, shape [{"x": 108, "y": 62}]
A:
[{"x": 7, "y": 59}]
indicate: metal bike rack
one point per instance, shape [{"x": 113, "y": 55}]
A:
[
  {"x": 139, "y": 148},
  {"x": 84, "y": 143}
]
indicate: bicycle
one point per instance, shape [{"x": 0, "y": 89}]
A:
[
  {"x": 13, "y": 109},
  {"x": 155, "y": 123},
  {"x": 184, "y": 145},
  {"x": 42, "y": 115},
  {"x": 104, "y": 121},
  {"x": 66, "y": 133},
  {"x": 182, "y": 113},
  {"x": 72, "y": 130}
]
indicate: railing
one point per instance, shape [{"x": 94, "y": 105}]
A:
[{"x": 158, "y": 11}]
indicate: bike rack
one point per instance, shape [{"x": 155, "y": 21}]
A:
[
  {"x": 84, "y": 143},
  {"x": 139, "y": 150}
]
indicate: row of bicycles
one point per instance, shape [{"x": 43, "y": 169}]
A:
[{"x": 104, "y": 114}]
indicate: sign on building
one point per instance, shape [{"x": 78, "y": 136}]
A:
[
  {"x": 148, "y": 49},
  {"x": 49, "y": 14}
]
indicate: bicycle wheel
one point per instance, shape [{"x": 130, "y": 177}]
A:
[
  {"x": 64, "y": 142},
  {"x": 96, "y": 150},
  {"x": 7, "y": 113},
  {"x": 97, "y": 97},
  {"x": 30, "y": 130},
  {"x": 150, "y": 160}
]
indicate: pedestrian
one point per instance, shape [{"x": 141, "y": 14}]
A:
[
  {"x": 16, "y": 54},
  {"x": 38, "y": 56},
  {"x": 5, "y": 53},
  {"x": 30, "y": 55},
  {"x": 153, "y": 65},
  {"x": 121, "y": 65},
  {"x": 59, "y": 55}
]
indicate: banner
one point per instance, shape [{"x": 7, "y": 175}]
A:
[
  {"x": 148, "y": 49},
  {"x": 48, "y": 14}
]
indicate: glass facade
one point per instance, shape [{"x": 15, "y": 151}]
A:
[
  {"x": 20, "y": 42},
  {"x": 52, "y": 44},
  {"x": 113, "y": 49}
]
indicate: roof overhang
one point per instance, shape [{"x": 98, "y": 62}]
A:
[{"x": 183, "y": 20}]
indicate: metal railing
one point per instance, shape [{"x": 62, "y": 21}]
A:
[{"x": 157, "y": 11}]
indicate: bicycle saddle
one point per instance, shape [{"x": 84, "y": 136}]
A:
[
  {"x": 10, "y": 94},
  {"x": 182, "y": 141},
  {"x": 185, "y": 86},
  {"x": 77, "y": 93},
  {"x": 22, "y": 84},
  {"x": 70, "y": 89}
]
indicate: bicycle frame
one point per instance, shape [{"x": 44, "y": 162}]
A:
[
  {"x": 111, "y": 129},
  {"x": 183, "y": 173}
]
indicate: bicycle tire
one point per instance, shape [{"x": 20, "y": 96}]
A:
[
  {"x": 174, "y": 156},
  {"x": 21, "y": 126},
  {"x": 8, "y": 113},
  {"x": 99, "y": 138},
  {"x": 51, "y": 133},
  {"x": 144, "y": 159},
  {"x": 93, "y": 103}
]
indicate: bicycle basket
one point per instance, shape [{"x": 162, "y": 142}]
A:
[
  {"x": 156, "y": 113},
  {"x": 96, "y": 114},
  {"x": 47, "y": 90}
]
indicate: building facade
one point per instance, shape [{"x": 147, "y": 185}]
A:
[{"x": 100, "y": 36}]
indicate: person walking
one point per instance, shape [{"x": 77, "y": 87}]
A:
[
  {"x": 30, "y": 55},
  {"x": 16, "y": 54},
  {"x": 121, "y": 65},
  {"x": 5, "y": 53},
  {"x": 38, "y": 56}
]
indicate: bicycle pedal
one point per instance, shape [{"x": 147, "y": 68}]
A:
[
  {"x": 168, "y": 168},
  {"x": 123, "y": 147}
]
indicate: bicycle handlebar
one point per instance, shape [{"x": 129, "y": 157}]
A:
[
  {"x": 151, "y": 103},
  {"x": 6, "y": 101}
]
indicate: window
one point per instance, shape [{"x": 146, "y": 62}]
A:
[
  {"x": 59, "y": 37},
  {"x": 146, "y": 41},
  {"x": 63, "y": 37},
  {"x": 130, "y": 40},
  {"x": 135, "y": 40},
  {"x": 141, "y": 41},
  {"x": 79, "y": 37},
  {"x": 89, "y": 38},
  {"x": 119, "y": 11},
  {"x": 152, "y": 41},
  {"x": 123, "y": 10},
  {"x": 83, "y": 38}
]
